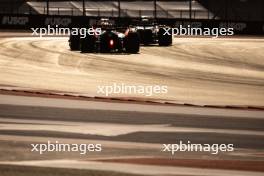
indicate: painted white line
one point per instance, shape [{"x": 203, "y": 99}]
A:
[
  {"x": 78, "y": 104},
  {"x": 108, "y": 129}
]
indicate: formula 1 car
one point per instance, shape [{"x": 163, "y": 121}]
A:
[
  {"x": 152, "y": 33},
  {"x": 110, "y": 39}
]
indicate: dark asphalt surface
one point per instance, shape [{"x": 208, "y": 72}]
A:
[{"x": 9, "y": 111}]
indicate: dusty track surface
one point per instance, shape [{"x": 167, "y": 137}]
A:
[
  {"x": 131, "y": 135},
  {"x": 196, "y": 70}
]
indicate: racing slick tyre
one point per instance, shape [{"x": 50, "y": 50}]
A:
[
  {"x": 74, "y": 42},
  {"x": 164, "y": 40},
  {"x": 88, "y": 44},
  {"x": 132, "y": 42}
]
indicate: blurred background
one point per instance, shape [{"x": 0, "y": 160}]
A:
[{"x": 239, "y": 10}]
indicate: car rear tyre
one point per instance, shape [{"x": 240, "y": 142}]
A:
[
  {"x": 132, "y": 42},
  {"x": 164, "y": 40},
  {"x": 88, "y": 44},
  {"x": 74, "y": 42}
]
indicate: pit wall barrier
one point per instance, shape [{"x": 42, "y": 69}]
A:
[{"x": 11, "y": 21}]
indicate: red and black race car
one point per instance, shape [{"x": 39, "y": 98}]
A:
[{"x": 110, "y": 39}]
